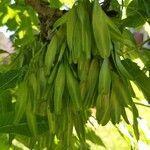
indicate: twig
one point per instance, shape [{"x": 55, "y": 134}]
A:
[
  {"x": 145, "y": 42},
  {"x": 142, "y": 104}
]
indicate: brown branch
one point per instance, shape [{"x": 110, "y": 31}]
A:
[
  {"x": 39, "y": 7},
  {"x": 42, "y": 8},
  {"x": 106, "y": 5},
  {"x": 47, "y": 15}
]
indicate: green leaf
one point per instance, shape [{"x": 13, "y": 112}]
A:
[
  {"x": 10, "y": 78},
  {"x": 4, "y": 144},
  {"x": 7, "y": 126},
  {"x": 91, "y": 135},
  {"x": 138, "y": 76},
  {"x": 55, "y": 3},
  {"x": 5, "y": 101},
  {"x": 136, "y": 14},
  {"x": 79, "y": 125},
  {"x": 21, "y": 102},
  {"x": 134, "y": 20},
  {"x": 147, "y": 7}
]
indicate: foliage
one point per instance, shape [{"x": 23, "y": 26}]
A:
[{"x": 67, "y": 62}]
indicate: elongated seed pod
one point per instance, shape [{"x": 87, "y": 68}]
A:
[
  {"x": 100, "y": 30},
  {"x": 59, "y": 89},
  {"x": 73, "y": 88}
]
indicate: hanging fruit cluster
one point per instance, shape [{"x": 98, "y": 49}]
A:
[{"x": 80, "y": 69}]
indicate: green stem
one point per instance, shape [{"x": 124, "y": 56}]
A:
[{"x": 137, "y": 103}]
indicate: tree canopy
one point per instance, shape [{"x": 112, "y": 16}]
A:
[{"x": 68, "y": 58}]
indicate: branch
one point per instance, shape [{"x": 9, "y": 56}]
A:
[
  {"x": 47, "y": 15},
  {"x": 42, "y": 8},
  {"x": 44, "y": 11},
  {"x": 145, "y": 105},
  {"x": 106, "y": 5},
  {"x": 145, "y": 42}
]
